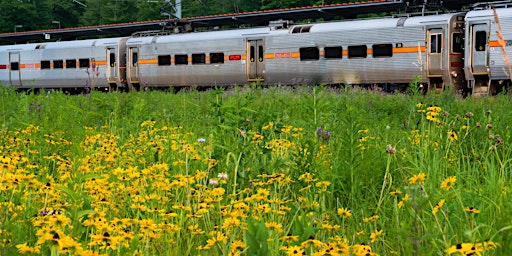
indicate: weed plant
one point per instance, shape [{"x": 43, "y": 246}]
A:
[{"x": 254, "y": 171}]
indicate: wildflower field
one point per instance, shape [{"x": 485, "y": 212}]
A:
[{"x": 255, "y": 171}]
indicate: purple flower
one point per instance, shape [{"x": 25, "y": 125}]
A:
[
  {"x": 44, "y": 212},
  {"x": 322, "y": 134}
]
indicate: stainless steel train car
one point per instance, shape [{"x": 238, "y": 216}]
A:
[
  {"x": 487, "y": 67},
  {"x": 384, "y": 51},
  {"x": 458, "y": 49},
  {"x": 70, "y": 64}
]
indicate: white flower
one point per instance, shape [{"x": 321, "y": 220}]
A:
[
  {"x": 201, "y": 140},
  {"x": 213, "y": 182},
  {"x": 222, "y": 175}
]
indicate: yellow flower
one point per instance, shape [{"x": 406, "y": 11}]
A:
[
  {"x": 344, "y": 212},
  {"x": 448, "y": 182},
  {"x": 417, "y": 179},
  {"x": 375, "y": 235},
  {"x": 269, "y": 126},
  {"x": 471, "y": 248},
  {"x": 24, "y": 248},
  {"x": 395, "y": 193},
  {"x": 471, "y": 210},
  {"x": 277, "y": 226},
  {"x": 289, "y": 238},
  {"x": 293, "y": 250},
  {"x": 372, "y": 218},
  {"x": 452, "y": 136},
  {"x": 438, "y": 205}
]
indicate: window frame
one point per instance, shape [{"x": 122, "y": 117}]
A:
[
  {"x": 481, "y": 40},
  {"x": 309, "y": 53},
  {"x": 70, "y": 63},
  {"x": 198, "y": 58},
  {"x": 46, "y": 64},
  {"x": 164, "y": 60},
  {"x": 216, "y": 57},
  {"x": 84, "y": 63},
  {"x": 383, "y": 50},
  {"x": 352, "y": 50},
  {"x": 58, "y": 64},
  {"x": 180, "y": 59},
  {"x": 328, "y": 50}
]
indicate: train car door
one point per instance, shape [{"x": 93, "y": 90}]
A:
[
  {"x": 479, "y": 48},
  {"x": 112, "y": 65},
  {"x": 14, "y": 69},
  {"x": 133, "y": 64},
  {"x": 435, "y": 53},
  {"x": 256, "y": 60}
]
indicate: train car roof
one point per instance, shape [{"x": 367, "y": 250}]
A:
[
  {"x": 315, "y": 27},
  {"x": 381, "y": 23},
  {"x": 487, "y": 13},
  {"x": 199, "y": 36},
  {"x": 62, "y": 45}
]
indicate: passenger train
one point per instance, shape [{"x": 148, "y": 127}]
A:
[{"x": 460, "y": 49}]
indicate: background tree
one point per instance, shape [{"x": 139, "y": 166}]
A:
[{"x": 39, "y": 14}]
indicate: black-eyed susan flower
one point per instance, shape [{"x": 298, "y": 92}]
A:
[
  {"x": 293, "y": 250},
  {"x": 438, "y": 206},
  {"x": 274, "y": 225},
  {"x": 311, "y": 241},
  {"x": 371, "y": 219},
  {"x": 420, "y": 105},
  {"x": 289, "y": 238},
  {"x": 374, "y": 236},
  {"x": 471, "y": 210},
  {"x": 448, "y": 182},
  {"x": 395, "y": 193},
  {"x": 345, "y": 213},
  {"x": 471, "y": 248},
  {"x": 24, "y": 249},
  {"x": 452, "y": 136},
  {"x": 417, "y": 179}
]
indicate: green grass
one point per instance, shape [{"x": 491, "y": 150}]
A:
[{"x": 254, "y": 171}]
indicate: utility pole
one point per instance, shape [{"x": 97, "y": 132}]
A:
[{"x": 176, "y": 7}]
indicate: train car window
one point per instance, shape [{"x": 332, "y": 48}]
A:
[
  {"x": 480, "y": 41},
  {"x": 457, "y": 43},
  {"x": 357, "y": 51},
  {"x": 382, "y": 50},
  {"x": 198, "y": 58},
  {"x": 301, "y": 29},
  {"x": 45, "y": 64},
  {"x": 58, "y": 64},
  {"x": 217, "y": 57},
  {"x": 84, "y": 63},
  {"x": 181, "y": 59},
  {"x": 309, "y": 53},
  {"x": 260, "y": 53},
  {"x": 436, "y": 41},
  {"x": 15, "y": 66},
  {"x": 252, "y": 54},
  {"x": 112, "y": 59},
  {"x": 333, "y": 52},
  {"x": 135, "y": 59},
  {"x": 164, "y": 60},
  {"x": 70, "y": 63}
]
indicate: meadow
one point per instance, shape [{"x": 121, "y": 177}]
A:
[{"x": 255, "y": 171}]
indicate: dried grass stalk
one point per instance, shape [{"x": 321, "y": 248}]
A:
[{"x": 503, "y": 45}]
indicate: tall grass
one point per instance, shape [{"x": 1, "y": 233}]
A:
[{"x": 254, "y": 171}]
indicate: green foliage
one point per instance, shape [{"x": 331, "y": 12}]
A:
[
  {"x": 37, "y": 15},
  {"x": 247, "y": 169},
  {"x": 256, "y": 237}
]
